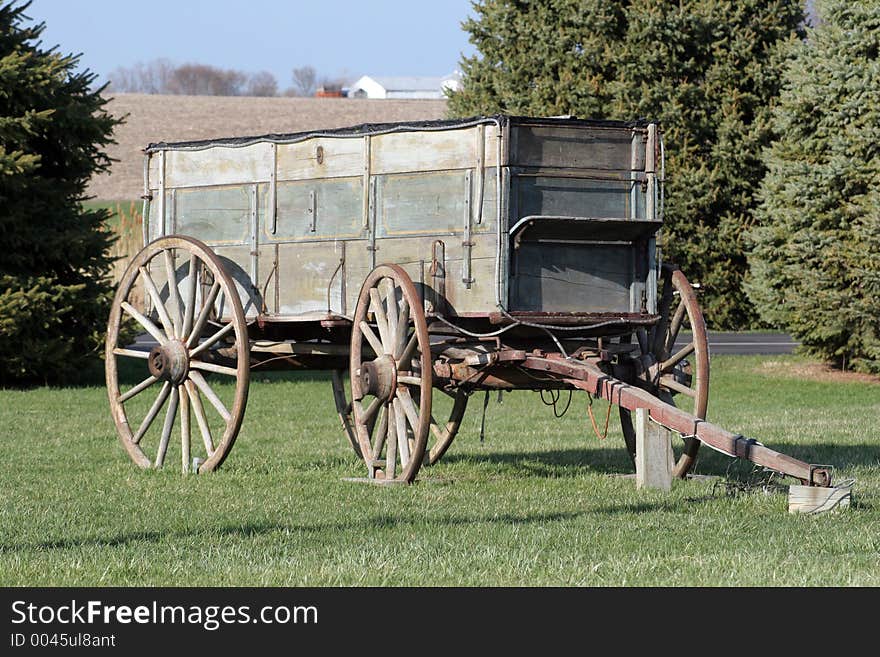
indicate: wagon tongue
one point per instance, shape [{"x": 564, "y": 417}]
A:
[{"x": 587, "y": 376}]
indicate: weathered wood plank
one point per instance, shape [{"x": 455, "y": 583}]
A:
[
  {"x": 817, "y": 499},
  {"x": 219, "y": 165},
  {"x": 430, "y": 151},
  {"x": 321, "y": 157},
  {"x": 653, "y": 446}
]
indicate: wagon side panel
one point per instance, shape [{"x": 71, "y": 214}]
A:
[{"x": 582, "y": 224}]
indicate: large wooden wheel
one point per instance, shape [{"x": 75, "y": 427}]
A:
[
  {"x": 682, "y": 373},
  {"x": 192, "y": 358},
  {"x": 391, "y": 380}
]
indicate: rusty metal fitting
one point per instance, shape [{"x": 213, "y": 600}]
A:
[{"x": 169, "y": 362}]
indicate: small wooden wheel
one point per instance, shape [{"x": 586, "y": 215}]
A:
[
  {"x": 194, "y": 355},
  {"x": 682, "y": 372},
  {"x": 391, "y": 375}
]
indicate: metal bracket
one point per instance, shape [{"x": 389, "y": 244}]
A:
[
  {"x": 467, "y": 244},
  {"x": 313, "y": 213},
  {"x": 742, "y": 446},
  {"x": 814, "y": 468}
]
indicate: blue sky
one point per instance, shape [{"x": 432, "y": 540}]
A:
[{"x": 342, "y": 38}]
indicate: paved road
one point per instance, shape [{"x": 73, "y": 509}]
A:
[{"x": 750, "y": 343}]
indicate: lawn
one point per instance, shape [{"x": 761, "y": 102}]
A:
[{"x": 537, "y": 503}]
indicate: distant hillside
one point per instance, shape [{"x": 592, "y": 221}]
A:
[{"x": 178, "y": 118}]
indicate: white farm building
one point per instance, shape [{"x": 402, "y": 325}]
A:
[{"x": 403, "y": 87}]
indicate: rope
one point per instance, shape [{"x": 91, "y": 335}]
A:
[
  {"x": 604, "y": 434},
  {"x": 826, "y": 506},
  {"x": 554, "y": 398}
]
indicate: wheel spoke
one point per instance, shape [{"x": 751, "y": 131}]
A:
[
  {"x": 402, "y": 437},
  {"x": 672, "y": 384},
  {"x": 381, "y": 433},
  {"x": 679, "y": 356},
  {"x": 190, "y": 304},
  {"x": 409, "y": 407},
  {"x": 189, "y": 311},
  {"x": 371, "y": 410},
  {"x": 173, "y": 292},
  {"x": 153, "y": 291},
  {"x": 410, "y": 380},
  {"x": 148, "y": 326},
  {"x": 391, "y": 302},
  {"x": 201, "y": 419},
  {"x": 403, "y": 363},
  {"x": 132, "y": 353},
  {"x": 675, "y": 327},
  {"x": 391, "y": 445},
  {"x": 371, "y": 338},
  {"x": 211, "y": 367},
  {"x": 184, "y": 432},
  {"x": 203, "y": 315},
  {"x": 168, "y": 426},
  {"x": 140, "y": 387},
  {"x": 439, "y": 433},
  {"x": 381, "y": 321},
  {"x": 152, "y": 413},
  {"x": 402, "y": 323},
  {"x": 207, "y": 344},
  {"x": 206, "y": 389}
]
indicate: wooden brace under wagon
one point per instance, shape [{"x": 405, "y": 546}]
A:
[{"x": 448, "y": 256}]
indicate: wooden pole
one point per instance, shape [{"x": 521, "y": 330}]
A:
[{"x": 653, "y": 453}]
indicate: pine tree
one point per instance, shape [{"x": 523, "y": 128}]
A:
[
  {"x": 707, "y": 70},
  {"x": 54, "y": 262},
  {"x": 815, "y": 266}
]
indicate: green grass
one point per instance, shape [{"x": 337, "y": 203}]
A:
[{"x": 536, "y": 504}]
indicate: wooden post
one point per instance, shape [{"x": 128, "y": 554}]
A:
[{"x": 653, "y": 453}]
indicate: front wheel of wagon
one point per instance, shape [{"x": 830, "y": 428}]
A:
[
  {"x": 391, "y": 376},
  {"x": 680, "y": 347},
  {"x": 441, "y": 435},
  {"x": 192, "y": 358}
]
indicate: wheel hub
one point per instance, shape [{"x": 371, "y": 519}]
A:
[
  {"x": 379, "y": 377},
  {"x": 169, "y": 362}
]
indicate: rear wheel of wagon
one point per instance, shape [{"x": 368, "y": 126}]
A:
[
  {"x": 682, "y": 371},
  {"x": 391, "y": 376},
  {"x": 193, "y": 359}
]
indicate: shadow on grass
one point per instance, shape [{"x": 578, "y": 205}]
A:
[
  {"x": 552, "y": 463},
  {"x": 575, "y": 462},
  {"x": 381, "y": 521}
]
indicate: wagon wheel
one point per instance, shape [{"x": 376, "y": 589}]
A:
[
  {"x": 681, "y": 372},
  {"x": 391, "y": 381},
  {"x": 343, "y": 410},
  {"x": 444, "y": 434},
  {"x": 196, "y": 358},
  {"x": 439, "y": 439}
]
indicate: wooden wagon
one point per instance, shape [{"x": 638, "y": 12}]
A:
[{"x": 427, "y": 261}]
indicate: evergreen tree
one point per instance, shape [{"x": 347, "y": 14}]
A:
[
  {"x": 54, "y": 262},
  {"x": 815, "y": 265},
  {"x": 707, "y": 70}
]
